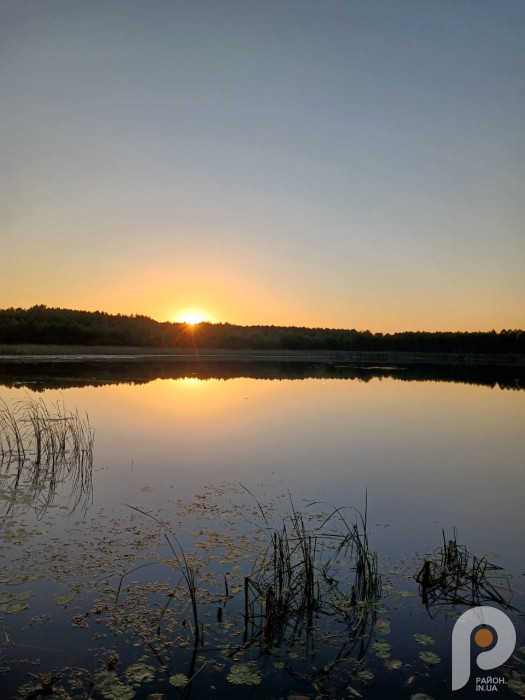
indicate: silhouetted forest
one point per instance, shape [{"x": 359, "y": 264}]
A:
[
  {"x": 57, "y": 374},
  {"x": 43, "y": 325}
]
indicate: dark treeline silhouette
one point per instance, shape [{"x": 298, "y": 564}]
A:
[
  {"x": 57, "y": 374},
  {"x": 43, "y": 325}
]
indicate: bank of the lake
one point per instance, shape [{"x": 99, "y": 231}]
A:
[{"x": 35, "y": 353}]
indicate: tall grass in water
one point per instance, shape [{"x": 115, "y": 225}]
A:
[
  {"x": 307, "y": 578},
  {"x": 454, "y": 576},
  {"x": 307, "y": 573},
  {"x": 41, "y": 446}
]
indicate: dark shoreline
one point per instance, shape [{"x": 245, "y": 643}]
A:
[
  {"x": 72, "y": 354},
  {"x": 79, "y": 367}
]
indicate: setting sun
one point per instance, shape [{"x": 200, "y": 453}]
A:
[{"x": 191, "y": 316}]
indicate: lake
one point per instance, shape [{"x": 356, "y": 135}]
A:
[{"x": 194, "y": 466}]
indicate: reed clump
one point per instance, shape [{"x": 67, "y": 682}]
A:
[
  {"x": 455, "y": 576},
  {"x": 310, "y": 571},
  {"x": 41, "y": 445}
]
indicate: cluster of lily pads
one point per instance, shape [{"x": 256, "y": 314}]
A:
[{"x": 152, "y": 588}]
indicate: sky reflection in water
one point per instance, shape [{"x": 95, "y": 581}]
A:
[{"x": 430, "y": 455}]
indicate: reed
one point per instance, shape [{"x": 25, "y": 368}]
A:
[
  {"x": 187, "y": 572},
  {"x": 307, "y": 580},
  {"x": 41, "y": 446},
  {"x": 455, "y": 576},
  {"x": 307, "y": 572}
]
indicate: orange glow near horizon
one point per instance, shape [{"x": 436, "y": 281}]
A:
[{"x": 191, "y": 316}]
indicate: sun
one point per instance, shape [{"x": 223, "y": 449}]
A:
[{"x": 191, "y": 316}]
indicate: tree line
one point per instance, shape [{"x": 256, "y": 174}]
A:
[{"x": 55, "y": 326}]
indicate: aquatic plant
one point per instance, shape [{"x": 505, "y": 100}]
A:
[
  {"x": 454, "y": 576},
  {"x": 337, "y": 639},
  {"x": 313, "y": 581},
  {"x": 184, "y": 566},
  {"x": 42, "y": 446},
  {"x": 308, "y": 572}
]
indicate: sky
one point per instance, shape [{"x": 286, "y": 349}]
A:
[{"x": 341, "y": 164}]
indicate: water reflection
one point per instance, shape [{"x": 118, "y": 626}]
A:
[
  {"x": 44, "y": 449},
  {"x": 455, "y": 577},
  {"x": 430, "y": 455},
  {"x": 69, "y": 372}
]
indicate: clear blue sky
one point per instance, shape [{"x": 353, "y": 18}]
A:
[{"x": 341, "y": 163}]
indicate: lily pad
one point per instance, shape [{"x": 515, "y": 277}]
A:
[
  {"x": 244, "y": 674},
  {"x": 365, "y": 675},
  {"x": 382, "y": 627},
  {"x": 140, "y": 673},
  {"x": 381, "y": 649},
  {"x": 424, "y": 639},
  {"x": 14, "y": 608},
  {"x": 516, "y": 682},
  {"x": 112, "y": 688},
  {"x": 63, "y": 599},
  {"x": 393, "y": 664},
  {"x": 179, "y": 680},
  {"x": 429, "y": 657}
]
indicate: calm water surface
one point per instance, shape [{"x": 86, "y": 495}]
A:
[
  {"x": 426, "y": 456},
  {"x": 431, "y": 455}
]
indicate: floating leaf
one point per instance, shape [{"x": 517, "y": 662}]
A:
[
  {"x": 5, "y": 597},
  {"x": 516, "y": 682},
  {"x": 25, "y": 595},
  {"x": 424, "y": 639},
  {"x": 393, "y": 664},
  {"x": 421, "y": 696},
  {"x": 63, "y": 599},
  {"x": 429, "y": 657},
  {"x": 179, "y": 680},
  {"x": 112, "y": 688},
  {"x": 365, "y": 675},
  {"x": 244, "y": 674},
  {"x": 381, "y": 649},
  {"x": 382, "y": 626},
  {"x": 140, "y": 673},
  {"x": 14, "y": 608}
]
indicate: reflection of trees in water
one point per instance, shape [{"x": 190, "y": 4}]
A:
[
  {"x": 44, "y": 449},
  {"x": 56, "y": 374}
]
